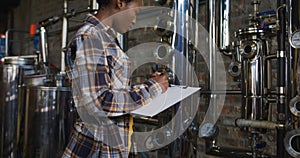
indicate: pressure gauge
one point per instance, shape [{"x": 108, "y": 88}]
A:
[
  {"x": 295, "y": 39},
  {"x": 207, "y": 130},
  {"x": 149, "y": 142}
]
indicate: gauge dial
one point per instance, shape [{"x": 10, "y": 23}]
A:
[
  {"x": 295, "y": 39},
  {"x": 207, "y": 130},
  {"x": 149, "y": 142}
]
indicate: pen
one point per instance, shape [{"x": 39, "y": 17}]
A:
[
  {"x": 180, "y": 86},
  {"x": 156, "y": 70}
]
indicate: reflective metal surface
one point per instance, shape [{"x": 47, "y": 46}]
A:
[
  {"x": 12, "y": 110},
  {"x": 48, "y": 121},
  {"x": 294, "y": 20},
  {"x": 224, "y": 24},
  {"x": 291, "y": 142}
]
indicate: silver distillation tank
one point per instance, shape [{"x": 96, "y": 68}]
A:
[
  {"x": 254, "y": 61},
  {"x": 48, "y": 110},
  {"x": 259, "y": 95},
  {"x": 253, "y": 46}
]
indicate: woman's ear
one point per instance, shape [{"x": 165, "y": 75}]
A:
[{"x": 121, "y": 4}]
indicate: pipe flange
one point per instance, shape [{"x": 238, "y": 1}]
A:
[
  {"x": 295, "y": 106},
  {"x": 290, "y": 142},
  {"x": 248, "y": 49},
  {"x": 234, "y": 69},
  {"x": 162, "y": 52}
]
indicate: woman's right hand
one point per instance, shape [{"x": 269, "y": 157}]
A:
[{"x": 162, "y": 79}]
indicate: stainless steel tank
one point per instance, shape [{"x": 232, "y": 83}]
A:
[
  {"x": 12, "y": 71},
  {"x": 48, "y": 121}
]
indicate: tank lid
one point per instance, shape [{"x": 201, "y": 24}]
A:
[{"x": 19, "y": 60}]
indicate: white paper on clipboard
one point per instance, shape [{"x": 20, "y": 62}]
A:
[{"x": 173, "y": 95}]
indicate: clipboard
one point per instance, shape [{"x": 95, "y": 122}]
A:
[{"x": 173, "y": 95}]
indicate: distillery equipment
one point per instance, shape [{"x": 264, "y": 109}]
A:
[
  {"x": 253, "y": 62},
  {"x": 36, "y": 107},
  {"x": 48, "y": 118},
  {"x": 13, "y": 70}
]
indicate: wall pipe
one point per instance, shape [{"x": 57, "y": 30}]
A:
[
  {"x": 281, "y": 74},
  {"x": 258, "y": 124}
]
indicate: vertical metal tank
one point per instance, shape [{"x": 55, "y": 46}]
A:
[
  {"x": 48, "y": 121},
  {"x": 12, "y": 71}
]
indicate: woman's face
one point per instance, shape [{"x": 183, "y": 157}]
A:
[{"x": 126, "y": 17}]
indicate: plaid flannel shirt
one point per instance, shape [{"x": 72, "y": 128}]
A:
[{"x": 100, "y": 72}]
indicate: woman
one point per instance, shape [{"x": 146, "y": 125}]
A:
[{"x": 99, "y": 71}]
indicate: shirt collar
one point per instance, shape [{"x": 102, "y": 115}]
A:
[{"x": 100, "y": 25}]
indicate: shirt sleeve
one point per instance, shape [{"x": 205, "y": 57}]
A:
[{"x": 98, "y": 84}]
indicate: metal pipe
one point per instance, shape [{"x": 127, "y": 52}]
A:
[
  {"x": 224, "y": 32},
  {"x": 213, "y": 149},
  {"x": 258, "y": 124},
  {"x": 64, "y": 37},
  {"x": 180, "y": 44},
  {"x": 44, "y": 48},
  {"x": 212, "y": 48},
  {"x": 281, "y": 75},
  {"x": 256, "y": 6},
  {"x": 212, "y": 4},
  {"x": 50, "y": 20},
  {"x": 6, "y": 42},
  {"x": 231, "y": 92}
]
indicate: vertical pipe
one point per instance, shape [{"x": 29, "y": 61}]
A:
[
  {"x": 212, "y": 49},
  {"x": 224, "y": 32},
  {"x": 1, "y": 110},
  {"x": 255, "y": 5},
  {"x": 64, "y": 37},
  {"x": 180, "y": 38},
  {"x": 244, "y": 88},
  {"x": 180, "y": 44},
  {"x": 281, "y": 83},
  {"x": 213, "y": 4},
  {"x": 6, "y": 42},
  {"x": 267, "y": 69},
  {"x": 44, "y": 48}
]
